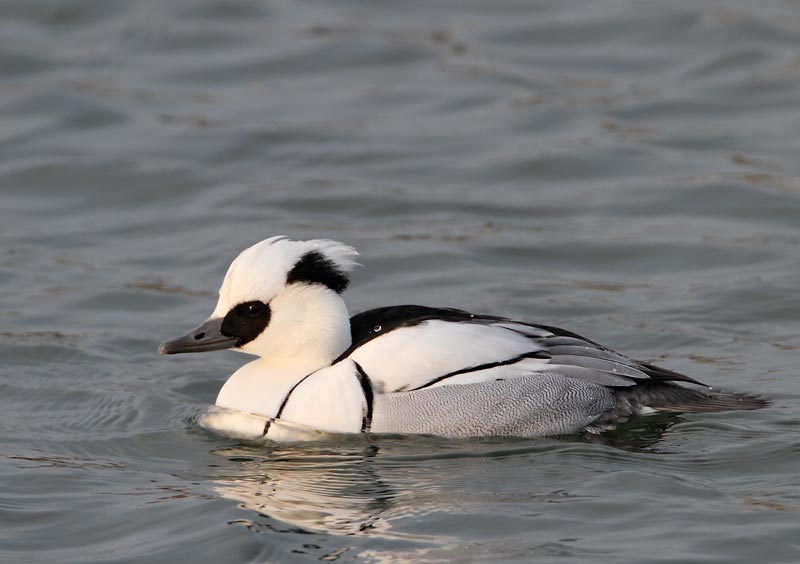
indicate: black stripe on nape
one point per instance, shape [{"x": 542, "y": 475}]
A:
[
  {"x": 533, "y": 354},
  {"x": 315, "y": 268},
  {"x": 366, "y": 387}
]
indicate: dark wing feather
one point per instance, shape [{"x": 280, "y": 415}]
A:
[
  {"x": 570, "y": 350},
  {"x": 665, "y": 396},
  {"x": 665, "y": 375},
  {"x": 571, "y": 344},
  {"x": 611, "y": 367}
]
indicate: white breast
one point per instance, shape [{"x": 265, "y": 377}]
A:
[
  {"x": 261, "y": 386},
  {"x": 330, "y": 399}
]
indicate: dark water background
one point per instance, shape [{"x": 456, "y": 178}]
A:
[{"x": 628, "y": 170}]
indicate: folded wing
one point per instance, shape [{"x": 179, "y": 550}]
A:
[{"x": 409, "y": 348}]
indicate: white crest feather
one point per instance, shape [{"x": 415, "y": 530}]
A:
[
  {"x": 259, "y": 272},
  {"x": 343, "y": 256}
]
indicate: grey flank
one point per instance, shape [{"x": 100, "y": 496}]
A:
[{"x": 536, "y": 405}]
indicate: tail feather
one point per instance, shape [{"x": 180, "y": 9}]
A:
[{"x": 672, "y": 397}]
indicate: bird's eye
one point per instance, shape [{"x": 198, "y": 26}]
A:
[{"x": 250, "y": 309}]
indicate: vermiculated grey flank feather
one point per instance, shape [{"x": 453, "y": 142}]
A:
[{"x": 537, "y": 405}]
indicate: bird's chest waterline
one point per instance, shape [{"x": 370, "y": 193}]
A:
[{"x": 330, "y": 398}]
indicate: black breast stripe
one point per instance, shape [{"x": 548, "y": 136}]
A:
[
  {"x": 288, "y": 395},
  {"x": 366, "y": 387},
  {"x": 533, "y": 354}
]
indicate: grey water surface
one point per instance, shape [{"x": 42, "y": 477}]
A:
[{"x": 625, "y": 169}]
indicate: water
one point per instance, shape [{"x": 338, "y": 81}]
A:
[{"x": 627, "y": 170}]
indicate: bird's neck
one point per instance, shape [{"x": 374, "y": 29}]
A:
[
  {"x": 309, "y": 329},
  {"x": 262, "y": 386}
]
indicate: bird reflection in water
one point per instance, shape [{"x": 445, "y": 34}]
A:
[
  {"x": 351, "y": 485},
  {"x": 308, "y": 488}
]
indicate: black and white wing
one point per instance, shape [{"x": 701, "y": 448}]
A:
[{"x": 408, "y": 348}]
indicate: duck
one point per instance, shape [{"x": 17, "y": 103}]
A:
[{"x": 413, "y": 369}]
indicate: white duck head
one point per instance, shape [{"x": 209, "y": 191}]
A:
[{"x": 279, "y": 299}]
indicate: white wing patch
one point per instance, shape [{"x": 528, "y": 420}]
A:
[{"x": 411, "y": 357}]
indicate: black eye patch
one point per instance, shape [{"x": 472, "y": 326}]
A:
[
  {"x": 250, "y": 309},
  {"x": 246, "y": 321}
]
